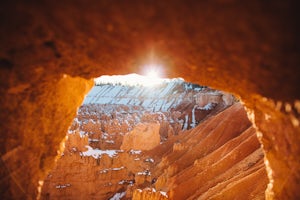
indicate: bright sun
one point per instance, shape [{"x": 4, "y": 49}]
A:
[
  {"x": 151, "y": 77},
  {"x": 152, "y": 71}
]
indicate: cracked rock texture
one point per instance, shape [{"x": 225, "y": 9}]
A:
[{"x": 50, "y": 50}]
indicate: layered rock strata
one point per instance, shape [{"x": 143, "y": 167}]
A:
[{"x": 130, "y": 152}]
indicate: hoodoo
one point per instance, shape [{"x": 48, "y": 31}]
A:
[{"x": 174, "y": 140}]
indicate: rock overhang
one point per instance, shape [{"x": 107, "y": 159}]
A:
[{"x": 229, "y": 45}]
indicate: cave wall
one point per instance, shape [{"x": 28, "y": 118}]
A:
[{"x": 50, "y": 50}]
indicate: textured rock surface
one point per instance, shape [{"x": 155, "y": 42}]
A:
[
  {"x": 220, "y": 158},
  {"x": 247, "y": 48},
  {"x": 143, "y": 136},
  {"x": 106, "y": 143}
]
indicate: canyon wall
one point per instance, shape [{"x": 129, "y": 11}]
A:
[
  {"x": 246, "y": 48},
  {"x": 220, "y": 158},
  {"x": 117, "y": 151}
]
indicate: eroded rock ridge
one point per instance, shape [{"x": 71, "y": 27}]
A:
[{"x": 175, "y": 140}]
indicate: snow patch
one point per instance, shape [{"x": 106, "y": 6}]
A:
[
  {"x": 133, "y": 152},
  {"x": 185, "y": 126},
  {"x": 71, "y": 131},
  {"x": 208, "y": 106},
  {"x": 193, "y": 124},
  {"x": 118, "y": 196},
  {"x": 93, "y": 140},
  {"x": 144, "y": 173},
  {"x": 150, "y": 160},
  {"x": 82, "y": 134},
  {"x": 117, "y": 168},
  {"x": 164, "y": 194},
  {"x": 110, "y": 141},
  {"x": 97, "y": 153},
  {"x": 104, "y": 171},
  {"x": 62, "y": 186},
  {"x": 130, "y": 182}
]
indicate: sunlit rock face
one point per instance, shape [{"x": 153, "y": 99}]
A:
[
  {"x": 246, "y": 48},
  {"x": 130, "y": 143},
  {"x": 144, "y": 137}
]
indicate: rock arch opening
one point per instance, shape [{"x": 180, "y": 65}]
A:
[
  {"x": 249, "y": 49},
  {"x": 164, "y": 139}
]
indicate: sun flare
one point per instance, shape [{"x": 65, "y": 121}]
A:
[
  {"x": 151, "y": 76},
  {"x": 152, "y": 73},
  {"x": 130, "y": 79}
]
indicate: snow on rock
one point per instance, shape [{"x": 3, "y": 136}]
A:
[
  {"x": 124, "y": 100},
  {"x": 135, "y": 90},
  {"x": 204, "y": 97},
  {"x": 104, "y": 171},
  {"x": 208, "y": 106},
  {"x": 164, "y": 194},
  {"x": 150, "y": 160},
  {"x": 82, "y": 134},
  {"x": 135, "y": 118},
  {"x": 193, "y": 124},
  {"x": 71, "y": 131},
  {"x": 117, "y": 168},
  {"x": 93, "y": 140},
  {"x": 63, "y": 186},
  {"x": 96, "y": 153},
  {"x": 185, "y": 127},
  {"x": 118, "y": 196},
  {"x": 135, "y": 151},
  {"x": 129, "y": 182},
  {"x": 144, "y": 173}
]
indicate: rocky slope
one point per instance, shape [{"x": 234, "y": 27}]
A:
[
  {"x": 219, "y": 159},
  {"x": 136, "y": 142}
]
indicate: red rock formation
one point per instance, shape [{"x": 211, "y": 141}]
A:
[
  {"x": 144, "y": 137},
  {"x": 220, "y": 158},
  {"x": 99, "y": 132},
  {"x": 246, "y": 48},
  {"x": 150, "y": 194}
]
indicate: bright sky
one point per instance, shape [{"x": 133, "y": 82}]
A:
[
  {"x": 152, "y": 71},
  {"x": 131, "y": 79},
  {"x": 151, "y": 76}
]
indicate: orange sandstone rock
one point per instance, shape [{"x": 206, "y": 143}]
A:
[{"x": 142, "y": 137}]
